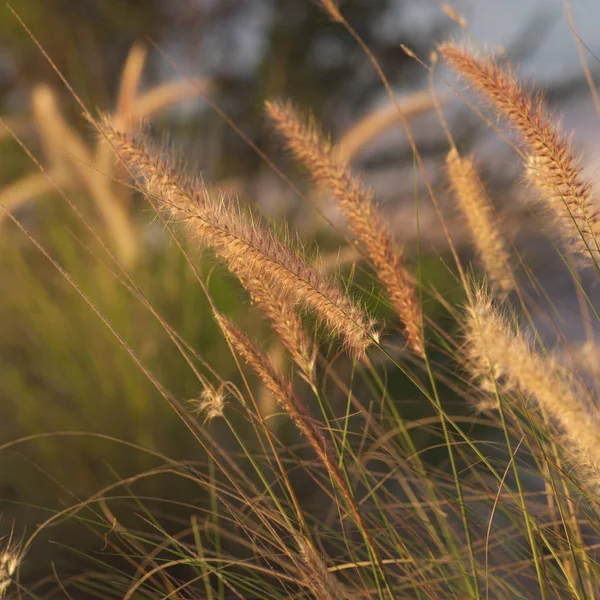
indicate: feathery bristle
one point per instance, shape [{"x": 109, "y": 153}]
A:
[
  {"x": 478, "y": 213},
  {"x": 250, "y": 250},
  {"x": 211, "y": 403},
  {"x": 310, "y": 147},
  {"x": 552, "y": 166}
]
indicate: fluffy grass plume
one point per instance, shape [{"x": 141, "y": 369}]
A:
[
  {"x": 475, "y": 207},
  {"x": 551, "y": 165},
  {"x": 10, "y": 559},
  {"x": 315, "y": 152},
  {"x": 250, "y": 250},
  {"x": 501, "y": 356}
]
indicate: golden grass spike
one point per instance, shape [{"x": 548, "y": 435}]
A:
[
  {"x": 15, "y": 194},
  {"x": 332, "y": 9},
  {"x": 51, "y": 129},
  {"x": 250, "y": 250},
  {"x": 310, "y": 147},
  {"x": 472, "y": 200},
  {"x": 166, "y": 94},
  {"x": 451, "y": 13},
  {"x": 500, "y": 353},
  {"x": 551, "y": 164},
  {"x": 68, "y": 155}
]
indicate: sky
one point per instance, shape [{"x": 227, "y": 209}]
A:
[{"x": 502, "y": 21}]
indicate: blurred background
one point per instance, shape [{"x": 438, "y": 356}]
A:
[{"x": 69, "y": 393}]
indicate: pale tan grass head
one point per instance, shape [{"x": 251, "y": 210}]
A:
[
  {"x": 323, "y": 584},
  {"x": 280, "y": 387},
  {"x": 281, "y": 313},
  {"x": 379, "y": 121},
  {"x": 504, "y": 360},
  {"x": 475, "y": 206},
  {"x": 297, "y": 410}
]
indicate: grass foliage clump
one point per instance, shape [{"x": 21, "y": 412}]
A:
[{"x": 195, "y": 405}]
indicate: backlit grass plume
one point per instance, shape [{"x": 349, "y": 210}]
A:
[
  {"x": 10, "y": 559},
  {"x": 472, "y": 200},
  {"x": 551, "y": 165},
  {"x": 330, "y": 171},
  {"x": 249, "y": 248},
  {"x": 501, "y": 356}
]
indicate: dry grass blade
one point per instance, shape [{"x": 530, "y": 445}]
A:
[
  {"x": 68, "y": 155},
  {"x": 23, "y": 190},
  {"x": 479, "y": 215},
  {"x": 310, "y": 147},
  {"x": 278, "y": 386},
  {"x": 551, "y": 167},
  {"x": 250, "y": 250},
  {"x": 20, "y": 126},
  {"x": 332, "y": 9},
  {"x": 167, "y": 94}
]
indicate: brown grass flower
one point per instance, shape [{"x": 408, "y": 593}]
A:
[
  {"x": 322, "y": 583},
  {"x": 285, "y": 321},
  {"x": 298, "y": 411},
  {"x": 277, "y": 385},
  {"x": 211, "y": 403}
]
